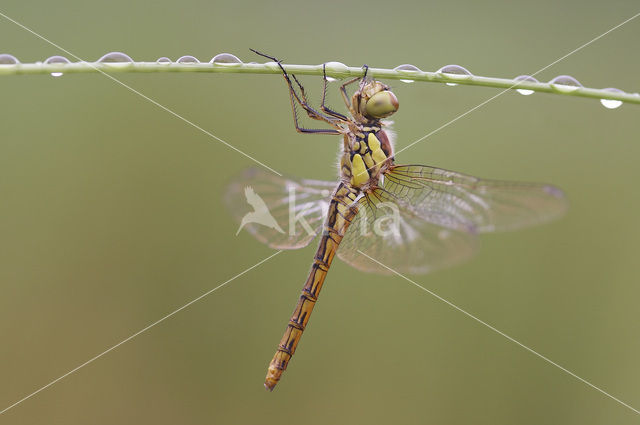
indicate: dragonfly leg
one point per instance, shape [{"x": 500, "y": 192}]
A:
[
  {"x": 314, "y": 115},
  {"x": 323, "y": 106},
  {"x": 301, "y": 100},
  {"x": 343, "y": 88}
]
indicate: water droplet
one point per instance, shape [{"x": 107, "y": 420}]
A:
[
  {"x": 407, "y": 67},
  {"x": 455, "y": 72},
  {"x": 115, "y": 57},
  {"x": 163, "y": 60},
  {"x": 526, "y": 92},
  {"x": 272, "y": 65},
  {"x": 336, "y": 68},
  {"x": 6, "y": 59},
  {"x": 226, "y": 59},
  {"x": 187, "y": 59},
  {"x": 611, "y": 103},
  {"x": 57, "y": 59},
  {"x": 565, "y": 84}
]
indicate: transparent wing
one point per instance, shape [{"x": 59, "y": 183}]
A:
[
  {"x": 282, "y": 212},
  {"x": 486, "y": 205},
  {"x": 423, "y": 218},
  {"x": 393, "y": 233}
]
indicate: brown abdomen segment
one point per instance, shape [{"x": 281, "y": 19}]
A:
[{"x": 341, "y": 212}]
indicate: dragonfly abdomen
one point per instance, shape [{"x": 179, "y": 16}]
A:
[{"x": 341, "y": 212}]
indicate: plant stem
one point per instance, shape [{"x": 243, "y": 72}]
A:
[{"x": 333, "y": 69}]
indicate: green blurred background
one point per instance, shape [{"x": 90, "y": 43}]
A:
[{"x": 112, "y": 217}]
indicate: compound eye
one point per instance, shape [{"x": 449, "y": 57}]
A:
[{"x": 381, "y": 104}]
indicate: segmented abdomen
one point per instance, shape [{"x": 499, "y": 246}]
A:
[{"x": 341, "y": 211}]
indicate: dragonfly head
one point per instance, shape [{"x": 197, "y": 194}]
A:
[{"x": 374, "y": 100}]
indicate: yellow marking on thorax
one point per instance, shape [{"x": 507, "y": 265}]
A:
[
  {"x": 376, "y": 151},
  {"x": 368, "y": 161},
  {"x": 359, "y": 174}
]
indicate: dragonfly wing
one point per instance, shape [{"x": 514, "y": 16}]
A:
[
  {"x": 439, "y": 213},
  {"x": 487, "y": 205},
  {"x": 282, "y": 212},
  {"x": 394, "y": 233}
]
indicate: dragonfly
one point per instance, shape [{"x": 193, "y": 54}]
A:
[{"x": 379, "y": 216}]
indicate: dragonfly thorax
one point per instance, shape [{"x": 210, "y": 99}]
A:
[
  {"x": 366, "y": 156},
  {"x": 367, "y": 150}
]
